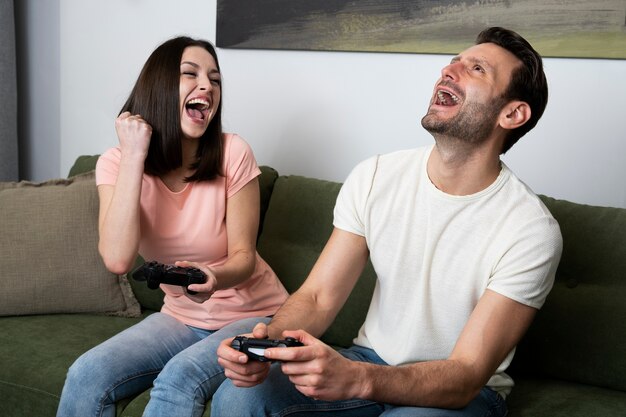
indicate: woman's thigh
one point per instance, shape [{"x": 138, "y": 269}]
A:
[
  {"x": 134, "y": 356},
  {"x": 191, "y": 377},
  {"x": 122, "y": 366},
  {"x": 197, "y": 364}
]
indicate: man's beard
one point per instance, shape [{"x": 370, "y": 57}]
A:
[{"x": 471, "y": 126}]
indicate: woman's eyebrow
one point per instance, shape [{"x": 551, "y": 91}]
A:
[{"x": 193, "y": 64}]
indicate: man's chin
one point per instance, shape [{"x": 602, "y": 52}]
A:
[{"x": 432, "y": 124}]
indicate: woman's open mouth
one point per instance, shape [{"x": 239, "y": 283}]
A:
[{"x": 198, "y": 108}]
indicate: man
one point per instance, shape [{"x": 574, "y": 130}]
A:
[{"x": 464, "y": 252}]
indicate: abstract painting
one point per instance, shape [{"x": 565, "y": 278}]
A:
[{"x": 557, "y": 28}]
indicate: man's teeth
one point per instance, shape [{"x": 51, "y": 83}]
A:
[{"x": 443, "y": 97}]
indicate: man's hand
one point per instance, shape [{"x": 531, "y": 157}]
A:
[
  {"x": 238, "y": 367},
  {"x": 317, "y": 370}
]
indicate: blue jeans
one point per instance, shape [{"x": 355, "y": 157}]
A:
[
  {"x": 277, "y": 397},
  {"x": 179, "y": 360}
]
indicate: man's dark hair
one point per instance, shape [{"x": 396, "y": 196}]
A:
[
  {"x": 156, "y": 98},
  {"x": 528, "y": 81}
]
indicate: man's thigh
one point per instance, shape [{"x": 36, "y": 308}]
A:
[
  {"x": 487, "y": 404},
  {"x": 278, "y": 397}
]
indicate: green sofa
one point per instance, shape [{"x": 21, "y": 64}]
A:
[{"x": 571, "y": 363}]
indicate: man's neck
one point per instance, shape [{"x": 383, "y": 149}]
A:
[{"x": 457, "y": 170}]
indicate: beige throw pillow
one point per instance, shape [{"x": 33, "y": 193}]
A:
[{"x": 49, "y": 261}]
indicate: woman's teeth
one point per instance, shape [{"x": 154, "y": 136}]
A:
[
  {"x": 201, "y": 104},
  {"x": 198, "y": 108}
]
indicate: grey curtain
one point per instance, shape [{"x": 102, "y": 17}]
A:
[{"x": 8, "y": 94}]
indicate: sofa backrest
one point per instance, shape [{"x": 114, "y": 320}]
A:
[
  {"x": 580, "y": 333},
  {"x": 297, "y": 225}
]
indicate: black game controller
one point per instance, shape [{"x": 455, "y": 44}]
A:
[
  {"x": 156, "y": 273},
  {"x": 255, "y": 348}
]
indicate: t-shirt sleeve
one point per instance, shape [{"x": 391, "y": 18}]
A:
[
  {"x": 527, "y": 269},
  {"x": 107, "y": 167},
  {"x": 349, "y": 212},
  {"x": 240, "y": 165}
]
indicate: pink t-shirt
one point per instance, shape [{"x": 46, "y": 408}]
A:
[{"x": 191, "y": 225}]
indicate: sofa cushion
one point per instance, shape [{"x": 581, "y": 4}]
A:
[
  {"x": 48, "y": 251},
  {"x": 36, "y": 352},
  {"x": 579, "y": 333},
  {"x": 266, "y": 186},
  {"x": 544, "y": 397},
  {"x": 83, "y": 164},
  {"x": 297, "y": 225}
]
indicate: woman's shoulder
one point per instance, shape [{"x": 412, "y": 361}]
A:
[
  {"x": 114, "y": 152},
  {"x": 236, "y": 148},
  {"x": 107, "y": 166},
  {"x": 110, "y": 157},
  {"x": 235, "y": 142}
]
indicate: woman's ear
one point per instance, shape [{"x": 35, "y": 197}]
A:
[{"x": 514, "y": 114}]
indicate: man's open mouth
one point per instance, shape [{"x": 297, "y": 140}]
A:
[
  {"x": 446, "y": 98},
  {"x": 197, "y": 108}
]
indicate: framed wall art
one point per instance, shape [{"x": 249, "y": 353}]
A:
[{"x": 573, "y": 28}]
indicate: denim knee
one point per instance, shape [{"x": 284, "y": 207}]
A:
[
  {"x": 82, "y": 376},
  {"x": 85, "y": 391},
  {"x": 230, "y": 400},
  {"x": 189, "y": 374}
]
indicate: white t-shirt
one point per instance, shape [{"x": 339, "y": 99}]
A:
[{"x": 435, "y": 254}]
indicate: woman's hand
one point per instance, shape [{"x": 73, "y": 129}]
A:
[
  {"x": 204, "y": 291},
  {"x": 133, "y": 133}
]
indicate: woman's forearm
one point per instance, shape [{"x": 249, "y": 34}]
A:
[
  {"x": 119, "y": 218},
  {"x": 237, "y": 269}
]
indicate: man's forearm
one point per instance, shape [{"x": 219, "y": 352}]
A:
[
  {"x": 441, "y": 384},
  {"x": 300, "y": 311}
]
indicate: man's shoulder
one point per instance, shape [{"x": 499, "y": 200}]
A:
[
  {"x": 525, "y": 198},
  {"x": 393, "y": 162},
  {"x": 390, "y": 165}
]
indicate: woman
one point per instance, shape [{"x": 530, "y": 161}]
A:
[{"x": 178, "y": 191}]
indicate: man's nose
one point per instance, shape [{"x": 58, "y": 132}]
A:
[{"x": 451, "y": 71}]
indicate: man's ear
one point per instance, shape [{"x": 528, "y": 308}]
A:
[{"x": 514, "y": 114}]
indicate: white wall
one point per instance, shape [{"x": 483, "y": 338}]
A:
[{"x": 319, "y": 113}]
